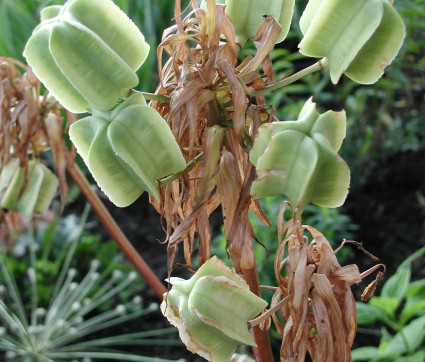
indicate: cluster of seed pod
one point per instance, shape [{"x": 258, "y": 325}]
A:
[
  {"x": 86, "y": 53},
  {"x": 127, "y": 149},
  {"x": 27, "y": 196}
]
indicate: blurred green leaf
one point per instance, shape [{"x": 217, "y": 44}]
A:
[
  {"x": 416, "y": 290},
  {"x": 409, "y": 338},
  {"x": 417, "y": 357},
  {"x": 412, "y": 310},
  {"x": 369, "y": 314},
  {"x": 387, "y": 304},
  {"x": 396, "y": 286},
  {"x": 364, "y": 353}
]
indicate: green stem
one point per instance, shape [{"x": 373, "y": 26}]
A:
[
  {"x": 151, "y": 97},
  {"x": 167, "y": 180},
  {"x": 322, "y": 64},
  {"x": 49, "y": 107}
]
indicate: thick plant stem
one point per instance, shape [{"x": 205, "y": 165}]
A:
[
  {"x": 115, "y": 231},
  {"x": 263, "y": 351},
  {"x": 243, "y": 258}
]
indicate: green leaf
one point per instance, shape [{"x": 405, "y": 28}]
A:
[
  {"x": 396, "y": 286},
  {"x": 408, "y": 261},
  {"x": 416, "y": 290},
  {"x": 386, "y": 358},
  {"x": 387, "y": 304},
  {"x": 369, "y": 314},
  {"x": 411, "y": 310},
  {"x": 416, "y": 357},
  {"x": 364, "y": 353},
  {"x": 409, "y": 338}
]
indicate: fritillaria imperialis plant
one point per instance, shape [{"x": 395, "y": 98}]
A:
[{"x": 208, "y": 139}]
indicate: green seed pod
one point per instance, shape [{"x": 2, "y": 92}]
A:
[
  {"x": 127, "y": 150},
  {"x": 38, "y": 193},
  {"x": 12, "y": 178},
  {"x": 86, "y": 53},
  {"x": 247, "y": 15},
  {"x": 299, "y": 159},
  {"x": 359, "y": 38},
  {"x": 211, "y": 310}
]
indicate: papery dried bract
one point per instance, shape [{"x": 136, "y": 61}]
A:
[
  {"x": 211, "y": 310},
  {"x": 319, "y": 312},
  {"x": 86, "y": 53},
  {"x": 127, "y": 150}
]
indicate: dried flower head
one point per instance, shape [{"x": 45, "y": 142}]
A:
[{"x": 30, "y": 123}]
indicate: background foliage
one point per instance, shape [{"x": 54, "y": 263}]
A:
[{"x": 383, "y": 121}]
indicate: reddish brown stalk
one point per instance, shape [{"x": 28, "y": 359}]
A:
[
  {"x": 263, "y": 351},
  {"x": 242, "y": 254},
  {"x": 115, "y": 231}
]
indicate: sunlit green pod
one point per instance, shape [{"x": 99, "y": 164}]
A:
[
  {"x": 33, "y": 197},
  {"x": 359, "y": 38},
  {"x": 86, "y": 53},
  {"x": 211, "y": 310},
  {"x": 247, "y": 15},
  {"x": 380, "y": 50},
  {"x": 127, "y": 150},
  {"x": 298, "y": 159}
]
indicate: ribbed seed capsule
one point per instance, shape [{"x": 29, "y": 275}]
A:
[
  {"x": 38, "y": 193},
  {"x": 86, "y": 53},
  {"x": 299, "y": 159},
  {"x": 359, "y": 38},
  {"x": 211, "y": 310},
  {"x": 248, "y": 14},
  {"x": 127, "y": 150}
]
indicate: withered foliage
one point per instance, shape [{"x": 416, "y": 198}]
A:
[
  {"x": 318, "y": 314},
  {"x": 215, "y": 120},
  {"x": 212, "y": 117},
  {"x": 29, "y": 124}
]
